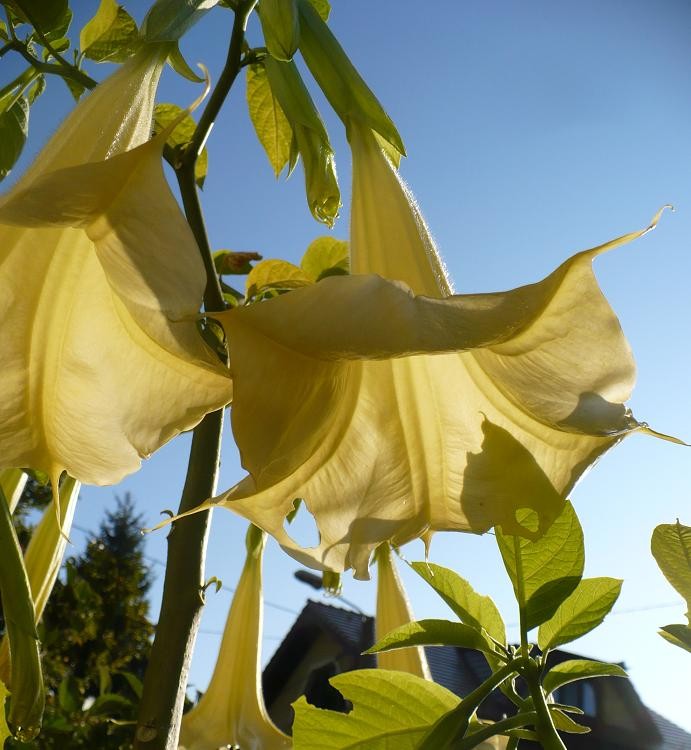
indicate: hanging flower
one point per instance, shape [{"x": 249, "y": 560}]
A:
[
  {"x": 101, "y": 285},
  {"x": 394, "y": 415},
  {"x": 394, "y": 610},
  {"x": 231, "y": 712}
]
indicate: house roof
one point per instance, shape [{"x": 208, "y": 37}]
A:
[{"x": 460, "y": 670}]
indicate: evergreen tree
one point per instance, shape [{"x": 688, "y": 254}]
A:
[{"x": 95, "y": 638}]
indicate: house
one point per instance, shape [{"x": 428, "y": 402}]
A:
[{"x": 326, "y": 640}]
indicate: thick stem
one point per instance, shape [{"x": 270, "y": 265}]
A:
[{"x": 165, "y": 682}]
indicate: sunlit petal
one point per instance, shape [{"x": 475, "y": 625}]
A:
[
  {"x": 103, "y": 360},
  {"x": 231, "y": 711}
]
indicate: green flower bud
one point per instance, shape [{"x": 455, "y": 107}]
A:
[{"x": 337, "y": 77}]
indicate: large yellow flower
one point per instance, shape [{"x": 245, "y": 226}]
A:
[
  {"x": 474, "y": 405},
  {"x": 100, "y": 287},
  {"x": 231, "y": 712}
]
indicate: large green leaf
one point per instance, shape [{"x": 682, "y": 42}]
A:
[
  {"x": 326, "y": 256},
  {"x": 270, "y": 123},
  {"x": 471, "y": 608},
  {"x": 579, "y": 669},
  {"x": 582, "y": 611},
  {"x": 111, "y": 35},
  {"x": 671, "y": 547},
  {"x": 164, "y": 115},
  {"x": 433, "y": 633},
  {"x": 678, "y": 635},
  {"x": 14, "y": 127},
  {"x": 390, "y": 709},
  {"x": 544, "y": 572}
]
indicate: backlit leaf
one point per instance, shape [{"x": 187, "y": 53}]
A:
[
  {"x": 111, "y": 35},
  {"x": 433, "y": 633},
  {"x": 270, "y": 123},
  {"x": 275, "y": 274},
  {"x": 326, "y": 256},
  {"x": 551, "y": 566},
  {"x": 164, "y": 114},
  {"x": 388, "y": 707},
  {"x": 579, "y": 669},
  {"x": 471, "y": 608},
  {"x": 14, "y": 127},
  {"x": 679, "y": 635},
  {"x": 580, "y": 613},
  {"x": 671, "y": 547}
]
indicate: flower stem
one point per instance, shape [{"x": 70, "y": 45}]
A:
[
  {"x": 513, "y": 722},
  {"x": 165, "y": 682},
  {"x": 544, "y": 726}
]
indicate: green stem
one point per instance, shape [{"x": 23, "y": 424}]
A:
[
  {"x": 544, "y": 726},
  {"x": 165, "y": 681},
  {"x": 225, "y": 81},
  {"x": 520, "y": 595},
  {"x": 491, "y": 730},
  {"x": 64, "y": 70}
]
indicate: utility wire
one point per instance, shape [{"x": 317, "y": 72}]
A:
[{"x": 230, "y": 589}]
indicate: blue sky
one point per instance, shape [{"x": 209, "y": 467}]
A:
[{"x": 534, "y": 129}]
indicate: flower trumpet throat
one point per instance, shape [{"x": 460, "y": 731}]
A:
[{"x": 104, "y": 359}]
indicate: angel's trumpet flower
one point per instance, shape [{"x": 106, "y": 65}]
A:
[
  {"x": 394, "y": 610},
  {"x": 101, "y": 284},
  {"x": 231, "y": 712},
  {"x": 474, "y": 406}
]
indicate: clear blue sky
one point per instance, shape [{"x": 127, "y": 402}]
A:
[{"x": 534, "y": 129}]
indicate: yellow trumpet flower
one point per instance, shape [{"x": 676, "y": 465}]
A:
[
  {"x": 395, "y": 409},
  {"x": 101, "y": 286},
  {"x": 231, "y": 712},
  {"x": 394, "y": 610}
]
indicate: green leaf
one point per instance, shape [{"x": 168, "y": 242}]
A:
[
  {"x": 111, "y": 704},
  {"x": 36, "y": 89},
  {"x": 68, "y": 694},
  {"x": 178, "y": 63},
  {"x": 164, "y": 115},
  {"x": 579, "y": 669},
  {"x": 565, "y": 723},
  {"x": 111, "y": 35},
  {"x": 390, "y": 709},
  {"x": 14, "y": 127},
  {"x": 671, "y": 548},
  {"x": 582, "y": 611},
  {"x": 323, "y": 7},
  {"x": 270, "y": 123},
  {"x": 471, "y": 608},
  {"x": 134, "y": 682},
  {"x": 433, "y": 633},
  {"x": 168, "y": 20},
  {"x": 551, "y": 566},
  {"x": 76, "y": 89},
  {"x": 679, "y": 635},
  {"x": 51, "y": 17},
  {"x": 230, "y": 262},
  {"x": 274, "y": 274},
  {"x": 5, "y": 37},
  {"x": 326, "y": 256}
]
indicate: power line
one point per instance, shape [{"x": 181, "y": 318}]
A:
[{"x": 229, "y": 589}]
